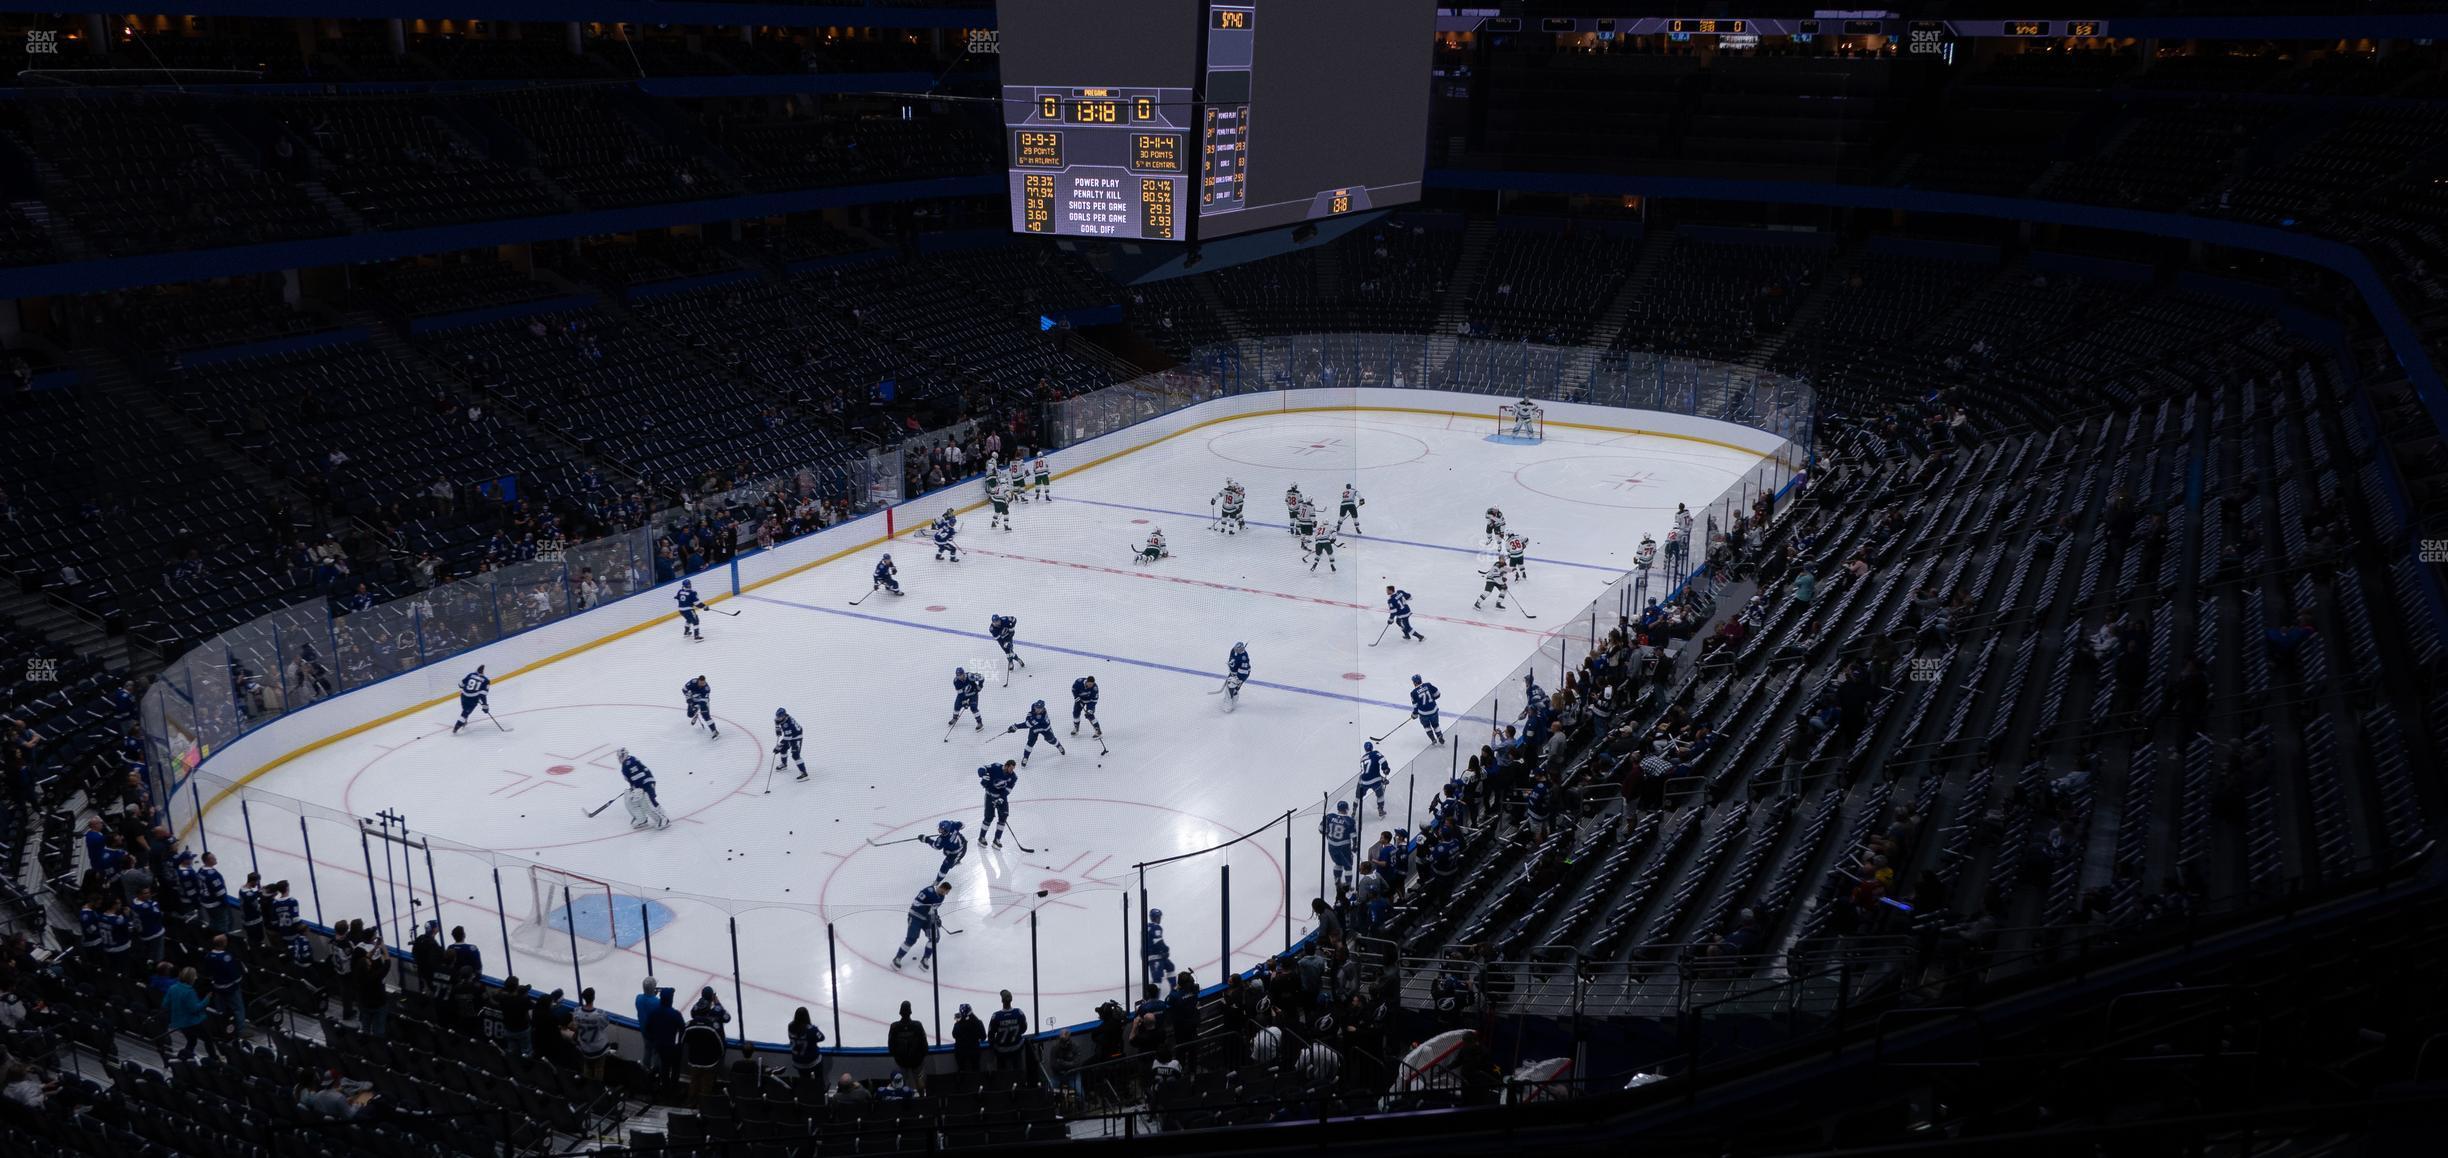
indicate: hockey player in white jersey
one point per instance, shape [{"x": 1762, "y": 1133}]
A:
[
  {"x": 1495, "y": 525},
  {"x": 1514, "y": 549},
  {"x": 999, "y": 497},
  {"x": 1493, "y": 583},
  {"x": 1154, "y": 549},
  {"x": 1292, "y": 504},
  {"x": 1320, "y": 547},
  {"x": 1232, "y": 500},
  {"x": 644, "y": 808},
  {"x": 1043, "y": 472},
  {"x": 1349, "y": 508}
]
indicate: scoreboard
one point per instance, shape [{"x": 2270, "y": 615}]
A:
[{"x": 1173, "y": 120}]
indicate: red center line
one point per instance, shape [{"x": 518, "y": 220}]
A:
[{"x": 1213, "y": 585}]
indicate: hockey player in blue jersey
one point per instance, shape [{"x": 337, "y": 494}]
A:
[
  {"x": 787, "y": 737},
  {"x": 1398, "y": 612},
  {"x": 1154, "y": 951},
  {"x": 946, "y": 529},
  {"x": 644, "y": 807},
  {"x": 1373, "y": 768},
  {"x": 1342, "y": 840},
  {"x": 475, "y": 694},
  {"x": 699, "y": 696},
  {"x": 925, "y": 920},
  {"x": 1236, "y": 673},
  {"x": 1005, "y": 629},
  {"x": 966, "y": 685},
  {"x": 686, "y": 597},
  {"x": 1084, "y": 703},
  {"x": 885, "y": 570},
  {"x": 998, "y": 780},
  {"x": 1424, "y": 706},
  {"x": 947, "y": 839},
  {"x": 1038, "y": 724}
]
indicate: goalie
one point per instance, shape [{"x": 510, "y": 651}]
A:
[
  {"x": 1526, "y": 416},
  {"x": 644, "y": 809}
]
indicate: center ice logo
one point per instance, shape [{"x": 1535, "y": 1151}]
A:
[
  {"x": 1634, "y": 481},
  {"x": 1321, "y": 445}
]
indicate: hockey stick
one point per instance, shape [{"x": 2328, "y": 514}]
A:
[
  {"x": 718, "y": 611},
  {"x": 598, "y": 809},
  {"x": 870, "y": 591},
  {"x": 1381, "y": 632},
  {"x": 871, "y": 841},
  {"x": 1526, "y": 612},
  {"x": 770, "y": 769},
  {"x": 1392, "y": 730},
  {"x": 1215, "y": 522},
  {"x": 1015, "y": 835},
  {"x": 488, "y": 711}
]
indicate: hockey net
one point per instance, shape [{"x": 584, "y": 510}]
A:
[
  {"x": 1507, "y": 424},
  {"x": 561, "y": 903}
]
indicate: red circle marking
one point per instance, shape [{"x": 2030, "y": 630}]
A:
[
  {"x": 1331, "y": 468},
  {"x": 935, "y": 607},
  {"x": 1138, "y": 522},
  {"x": 1353, "y": 675},
  {"x": 559, "y": 770},
  {"x": 1055, "y": 886},
  {"x": 1520, "y": 482}
]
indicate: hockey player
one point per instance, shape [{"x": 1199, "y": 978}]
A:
[
  {"x": 1321, "y": 548},
  {"x": 1424, "y": 706},
  {"x": 1525, "y": 418},
  {"x": 1373, "y": 770},
  {"x": 947, "y": 839},
  {"x": 1044, "y": 473},
  {"x": 644, "y": 807},
  {"x": 1304, "y": 520},
  {"x": 1154, "y": 548},
  {"x": 1231, "y": 522},
  {"x": 966, "y": 685},
  {"x": 787, "y": 735},
  {"x": 1515, "y": 547},
  {"x": 925, "y": 920},
  {"x": 1292, "y": 504},
  {"x": 1398, "y": 612},
  {"x": 1154, "y": 951},
  {"x": 475, "y": 694},
  {"x": 999, "y": 496},
  {"x": 1004, "y": 629},
  {"x": 1646, "y": 557},
  {"x": 885, "y": 569},
  {"x": 946, "y": 529},
  {"x": 1349, "y": 508},
  {"x": 1342, "y": 840},
  {"x": 699, "y": 695},
  {"x": 1494, "y": 578},
  {"x": 1038, "y": 724},
  {"x": 686, "y": 597},
  {"x": 1084, "y": 703},
  {"x": 998, "y": 780},
  {"x": 1236, "y": 673},
  {"x": 1495, "y": 525}
]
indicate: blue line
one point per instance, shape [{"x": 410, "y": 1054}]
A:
[
  {"x": 1146, "y": 663},
  {"x": 1369, "y": 538}
]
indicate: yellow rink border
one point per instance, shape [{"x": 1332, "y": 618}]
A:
[{"x": 870, "y": 544}]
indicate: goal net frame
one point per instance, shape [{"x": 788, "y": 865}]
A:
[
  {"x": 550, "y": 891},
  {"x": 1504, "y": 421}
]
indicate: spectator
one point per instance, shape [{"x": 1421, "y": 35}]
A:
[
  {"x": 897, "y": 1090},
  {"x": 807, "y": 1049},
  {"x": 1007, "y": 1032},
  {"x": 225, "y": 977},
  {"x": 373, "y": 983},
  {"x": 591, "y": 1034},
  {"x": 330, "y": 1097},
  {"x": 661, "y": 1029},
  {"x": 189, "y": 1018},
  {"x": 906, "y": 1041},
  {"x": 709, "y": 1009},
  {"x": 1065, "y": 1057},
  {"x": 968, "y": 1040},
  {"x": 848, "y": 1092},
  {"x": 27, "y": 1088},
  {"x": 701, "y": 1047}
]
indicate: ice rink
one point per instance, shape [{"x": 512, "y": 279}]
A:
[{"x": 755, "y": 876}]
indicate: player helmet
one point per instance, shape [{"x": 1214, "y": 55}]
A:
[
  {"x": 959, "y": 672},
  {"x": 685, "y": 583},
  {"x": 781, "y": 714},
  {"x": 1402, "y": 834},
  {"x": 1240, "y": 647},
  {"x": 1038, "y": 704},
  {"x": 621, "y": 754},
  {"x": 888, "y": 556},
  {"x": 1342, "y": 806},
  {"x": 1415, "y": 679},
  {"x": 947, "y": 512},
  {"x": 1368, "y": 745},
  {"x": 946, "y": 825},
  {"x": 1155, "y": 914}
]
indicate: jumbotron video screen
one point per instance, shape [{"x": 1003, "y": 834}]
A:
[{"x": 1176, "y": 120}]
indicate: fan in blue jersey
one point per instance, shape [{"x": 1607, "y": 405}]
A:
[
  {"x": 966, "y": 685},
  {"x": 885, "y": 569},
  {"x": 475, "y": 690},
  {"x": 686, "y": 597},
  {"x": 1153, "y": 950},
  {"x": 1342, "y": 840},
  {"x": 998, "y": 780},
  {"x": 925, "y": 920},
  {"x": 1398, "y": 612},
  {"x": 787, "y": 737},
  {"x": 947, "y": 839},
  {"x": 1038, "y": 724},
  {"x": 1236, "y": 673},
  {"x": 947, "y": 528},
  {"x": 1424, "y": 706},
  {"x": 644, "y": 807},
  {"x": 1084, "y": 703},
  {"x": 1373, "y": 768},
  {"x": 1005, "y": 629},
  {"x": 699, "y": 695}
]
